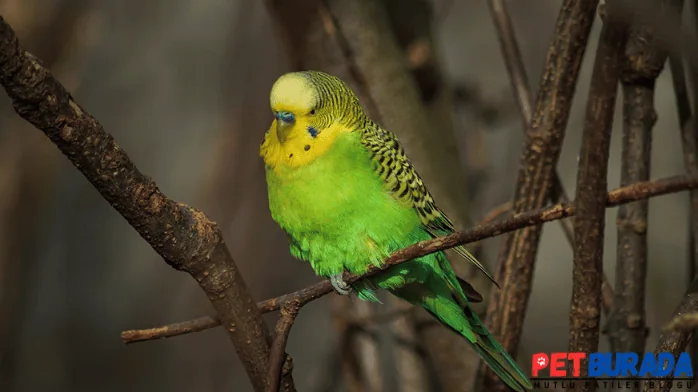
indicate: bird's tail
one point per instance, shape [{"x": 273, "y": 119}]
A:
[{"x": 462, "y": 320}]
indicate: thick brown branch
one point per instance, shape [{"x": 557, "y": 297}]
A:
[
  {"x": 642, "y": 65},
  {"x": 519, "y": 81},
  {"x": 183, "y": 236},
  {"x": 591, "y": 193},
  {"x": 517, "y": 253},
  {"x": 616, "y": 197},
  {"x": 278, "y": 355},
  {"x": 675, "y": 341}
]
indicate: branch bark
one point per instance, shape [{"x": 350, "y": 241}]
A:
[
  {"x": 278, "y": 356},
  {"x": 642, "y": 65},
  {"x": 628, "y": 194},
  {"x": 517, "y": 254},
  {"x": 519, "y": 81},
  {"x": 591, "y": 192},
  {"x": 183, "y": 236}
]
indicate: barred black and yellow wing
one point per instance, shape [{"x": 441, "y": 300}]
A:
[{"x": 402, "y": 180}]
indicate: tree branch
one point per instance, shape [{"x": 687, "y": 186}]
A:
[
  {"x": 591, "y": 192},
  {"x": 675, "y": 341},
  {"x": 642, "y": 64},
  {"x": 628, "y": 194},
  {"x": 519, "y": 81},
  {"x": 183, "y": 236},
  {"x": 278, "y": 348},
  {"x": 517, "y": 253}
]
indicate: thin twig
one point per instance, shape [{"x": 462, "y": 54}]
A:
[
  {"x": 183, "y": 236},
  {"x": 675, "y": 341},
  {"x": 517, "y": 253},
  {"x": 278, "y": 355},
  {"x": 512, "y": 58},
  {"x": 589, "y": 223},
  {"x": 628, "y": 194},
  {"x": 519, "y": 81}
]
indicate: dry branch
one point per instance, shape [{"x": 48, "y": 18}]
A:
[
  {"x": 642, "y": 65},
  {"x": 517, "y": 255},
  {"x": 519, "y": 81},
  {"x": 675, "y": 341},
  {"x": 628, "y": 194},
  {"x": 591, "y": 193},
  {"x": 183, "y": 236},
  {"x": 278, "y": 355}
]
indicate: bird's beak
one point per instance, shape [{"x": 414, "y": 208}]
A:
[
  {"x": 283, "y": 130},
  {"x": 284, "y": 125}
]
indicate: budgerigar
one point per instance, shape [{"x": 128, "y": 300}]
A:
[{"x": 347, "y": 196}]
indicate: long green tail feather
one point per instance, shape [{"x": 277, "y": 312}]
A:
[
  {"x": 497, "y": 358},
  {"x": 465, "y": 322}
]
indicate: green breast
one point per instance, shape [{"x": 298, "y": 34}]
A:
[{"x": 337, "y": 211}]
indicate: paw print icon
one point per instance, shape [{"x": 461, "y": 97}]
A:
[{"x": 541, "y": 361}]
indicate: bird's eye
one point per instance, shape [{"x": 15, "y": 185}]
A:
[{"x": 312, "y": 112}]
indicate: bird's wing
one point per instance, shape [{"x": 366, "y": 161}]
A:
[{"x": 401, "y": 178}]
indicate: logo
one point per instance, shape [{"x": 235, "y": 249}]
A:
[{"x": 618, "y": 370}]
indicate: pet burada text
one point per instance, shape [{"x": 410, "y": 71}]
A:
[{"x": 649, "y": 365}]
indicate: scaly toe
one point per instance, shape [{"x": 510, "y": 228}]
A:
[{"x": 339, "y": 285}]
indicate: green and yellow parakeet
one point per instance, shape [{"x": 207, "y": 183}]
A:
[{"x": 347, "y": 196}]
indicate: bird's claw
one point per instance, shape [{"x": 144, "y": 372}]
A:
[{"x": 340, "y": 286}]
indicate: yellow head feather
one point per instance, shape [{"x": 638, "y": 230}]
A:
[
  {"x": 293, "y": 92},
  {"x": 311, "y": 109}
]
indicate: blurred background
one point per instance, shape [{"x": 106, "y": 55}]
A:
[{"x": 183, "y": 86}]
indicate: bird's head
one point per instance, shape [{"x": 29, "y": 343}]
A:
[{"x": 307, "y": 103}]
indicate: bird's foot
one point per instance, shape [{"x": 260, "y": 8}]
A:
[{"x": 340, "y": 286}]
